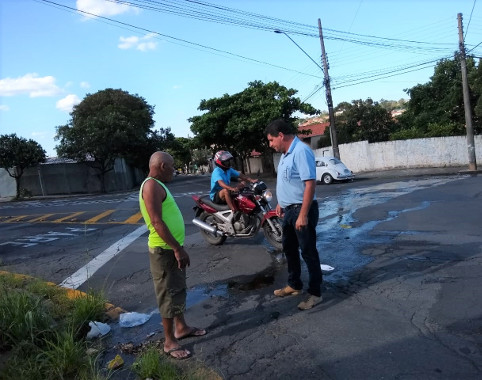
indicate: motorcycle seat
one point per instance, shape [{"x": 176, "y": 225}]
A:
[{"x": 207, "y": 199}]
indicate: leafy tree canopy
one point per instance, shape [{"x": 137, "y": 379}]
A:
[
  {"x": 17, "y": 154},
  {"x": 107, "y": 125},
  {"x": 362, "y": 120},
  {"x": 237, "y": 122},
  {"x": 436, "y": 108},
  {"x": 181, "y": 149}
]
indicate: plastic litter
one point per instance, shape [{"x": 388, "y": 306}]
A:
[
  {"x": 326, "y": 267},
  {"x": 115, "y": 363},
  {"x": 132, "y": 319},
  {"x": 97, "y": 329}
]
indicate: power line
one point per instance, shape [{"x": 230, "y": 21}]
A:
[
  {"x": 205, "y": 11},
  {"x": 470, "y": 19},
  {"x": 124, "y": 24}
]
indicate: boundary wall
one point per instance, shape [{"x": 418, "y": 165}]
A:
[
  {"x": 70, "y": 178},
  {"x": 436, "y": 152}
]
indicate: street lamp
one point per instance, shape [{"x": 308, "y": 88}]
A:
[{"x": 326, "y": 82}]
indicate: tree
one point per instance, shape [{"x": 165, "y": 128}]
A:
[
  {"x": 138, "y": 156},
  {"x": 107, "y": 125},
  {"x": 237, "y": 122},
  {"x": 181, "y": 149},
  {"x": 362, "y": 120},
  {"x": 436, "y": 108},
  {"x": 17, "y": 154}
]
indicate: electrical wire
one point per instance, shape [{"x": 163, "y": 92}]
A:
[{"x": 220, "y": 14}]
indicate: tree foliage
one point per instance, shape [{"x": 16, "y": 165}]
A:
[
  {"x": 361, "y": 120},
  {"x": 107, "y": 125},
  {"x": 436, "y": 108},
  {"x": 237, "y": 122},
  {"x": 181, "y": 150},
  {"x": 17, "y": 154}
]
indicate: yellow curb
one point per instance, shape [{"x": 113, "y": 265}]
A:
[{"x": 111, "y": 311}]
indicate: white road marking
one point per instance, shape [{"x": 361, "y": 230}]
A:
[{"x": 84, "y": 273}]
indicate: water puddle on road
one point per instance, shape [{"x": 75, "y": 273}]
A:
[
  {"x": 340, "y": 240},
  {"x": 200, "y": 293}
]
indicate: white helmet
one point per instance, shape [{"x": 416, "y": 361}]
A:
[{"x": 223, "y": 159}]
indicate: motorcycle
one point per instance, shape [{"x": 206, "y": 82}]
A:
[{"x": 217, "y": 221}]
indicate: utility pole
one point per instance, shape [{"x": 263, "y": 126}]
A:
[
  {"x": 329, "y": 101},
  {"x": 467, "y": 108}
]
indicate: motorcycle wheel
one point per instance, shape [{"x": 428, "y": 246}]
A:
[
  {"x": 209, "y": 237},
  {"x": 274, "y": 236}
]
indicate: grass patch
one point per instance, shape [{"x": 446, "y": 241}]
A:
[
  {"x": 43, "y": 332},
  {"x": 150, "y": 364}
]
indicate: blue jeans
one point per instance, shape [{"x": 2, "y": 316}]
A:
[{"x": 305, "y": 239}]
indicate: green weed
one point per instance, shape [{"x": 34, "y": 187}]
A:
[{"x": 150, "y": 364}]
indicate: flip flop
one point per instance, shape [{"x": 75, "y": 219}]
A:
[
  {"x": 195, "y": 332},
  {"x": 172, "y": 350}
]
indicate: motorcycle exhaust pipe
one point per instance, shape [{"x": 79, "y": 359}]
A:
[{"x": 206, "y": 227}]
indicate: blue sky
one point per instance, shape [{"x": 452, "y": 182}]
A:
[{"x": 52, "y": 56}]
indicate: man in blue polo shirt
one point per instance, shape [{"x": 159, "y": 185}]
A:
[{"x": 295, "y": 191}]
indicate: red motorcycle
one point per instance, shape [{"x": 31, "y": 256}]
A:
[{"x": 217, "y": 222}]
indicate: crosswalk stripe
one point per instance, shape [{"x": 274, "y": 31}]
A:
[
  {"x": 40, "y": 218},
  {"x": 99, "y": 217},
  {"x": 71, "y": 216},
  {"x": 17, "y": 218},
  {"x": 133, "y": 219}
]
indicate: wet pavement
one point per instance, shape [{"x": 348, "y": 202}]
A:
[{"x": 402, "y": 302}]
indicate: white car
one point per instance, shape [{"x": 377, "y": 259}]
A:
[{"x": 329, "y": 169}]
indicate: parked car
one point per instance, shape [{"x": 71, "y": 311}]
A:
[{"x": 329, "y": 169}]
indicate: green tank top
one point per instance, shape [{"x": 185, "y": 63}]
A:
[{"x": 171, "y": 215}]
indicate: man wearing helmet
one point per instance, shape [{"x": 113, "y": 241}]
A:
[{"x": 221, "y": 179}]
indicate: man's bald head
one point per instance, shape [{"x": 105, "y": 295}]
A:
[
  {"x": 158, "y": 158},
  {"x": 161, "y": 166}
]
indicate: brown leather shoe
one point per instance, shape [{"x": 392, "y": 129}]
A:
[
  {"x": 286, "y": 291},
  {"x": 309, "y": 302}
]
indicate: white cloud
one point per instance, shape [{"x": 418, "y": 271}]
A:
[
  {"x": 176, "y": 86},
  {"x": 84, "y": 85},
  {"x": 102, "y": 8},
  {"x": 30, "y": 84},
  {"x": 37, "y": 135},
  {"x": 140, "y": 43},
  {"x": 3, "y": 107},
  {"x": 67, "y": 104}
]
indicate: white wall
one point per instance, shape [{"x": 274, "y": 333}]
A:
[
  {"x": 8, "y": 187},
  {"x": 403, "y": 154}
]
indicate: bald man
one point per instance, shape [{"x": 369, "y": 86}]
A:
[{"x": 167, "y": 257}]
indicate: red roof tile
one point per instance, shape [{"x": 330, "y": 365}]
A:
[{"x": 317, "y": 129}]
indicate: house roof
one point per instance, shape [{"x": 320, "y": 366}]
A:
[{"x": 317, "y": 129}]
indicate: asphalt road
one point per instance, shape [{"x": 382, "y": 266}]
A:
[{"x": 403, "y": 300}]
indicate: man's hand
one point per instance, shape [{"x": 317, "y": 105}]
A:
[
  {"x": 279, "y": 211},
  {"x": 240, "y": 185},
  {"x": 182, "y": 258},
  {"x": 301, "y": 222}
]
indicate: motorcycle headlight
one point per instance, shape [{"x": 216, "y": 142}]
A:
[{"x": 268, "y": 196}]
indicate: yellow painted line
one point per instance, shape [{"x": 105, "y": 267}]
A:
[
  {"x": 71, "y": 216},
  {"x": 98, "y": 217},
  {"x": 133, "y": 219},
  {"x": 16, "y": 219},
  {"x": 39, "y": 218}
]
